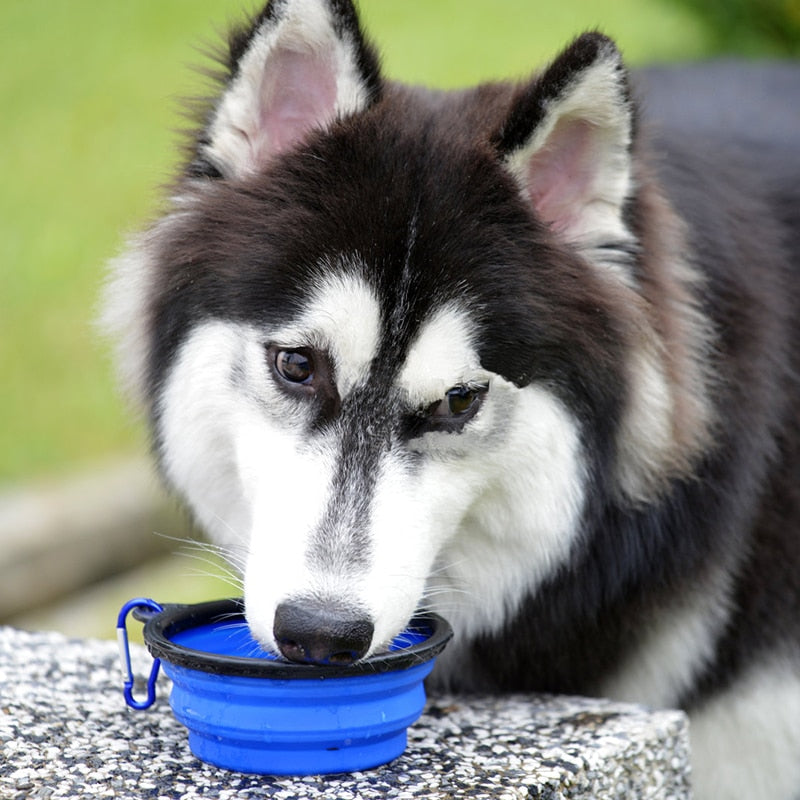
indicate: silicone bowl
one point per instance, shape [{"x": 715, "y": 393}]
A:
[{"x": 248, "y": 711}]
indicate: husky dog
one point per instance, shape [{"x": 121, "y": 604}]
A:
[{"x": 513, "y": 353}]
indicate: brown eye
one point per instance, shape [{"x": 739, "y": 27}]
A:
[
  {"x": 448, "y": 415},
  {"x": 294, "y": 366},
  {"x": 460, "y": 401}
]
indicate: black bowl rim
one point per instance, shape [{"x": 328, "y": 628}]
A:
[{"x": 177, "y": 618}]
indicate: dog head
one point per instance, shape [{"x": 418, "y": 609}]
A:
[{"x": 391, "y": 341}]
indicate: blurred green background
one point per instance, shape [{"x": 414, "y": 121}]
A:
[{"x": 89, "y": 96}]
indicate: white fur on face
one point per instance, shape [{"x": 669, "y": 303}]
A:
[
  {"x": 490, "y": 510},
  {"x": 200, "y": 412},
  {"x": 518, "y": 495}
]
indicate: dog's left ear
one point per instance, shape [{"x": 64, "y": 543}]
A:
[
  {"x": 299, "y": 66},
  {"x": 567, "y": 142}
]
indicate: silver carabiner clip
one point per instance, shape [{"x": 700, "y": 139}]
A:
[{"x": 125, "y": 655}]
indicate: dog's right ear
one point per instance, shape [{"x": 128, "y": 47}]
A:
[{"x": 299, "y": 66}]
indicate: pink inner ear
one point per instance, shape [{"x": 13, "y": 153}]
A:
[
  {"x": 561, "y": 175},
  {"x": 297, "y": 93}
]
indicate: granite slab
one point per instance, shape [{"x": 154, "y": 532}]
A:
[{"x": 65, "y": 732}]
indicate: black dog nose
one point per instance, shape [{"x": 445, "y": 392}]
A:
[{"x": 312, "y": 632}]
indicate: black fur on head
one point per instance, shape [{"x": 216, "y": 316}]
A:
[{"x": 442, "y": 187}]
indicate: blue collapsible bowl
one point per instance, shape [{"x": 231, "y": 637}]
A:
[{"x": 248, "y": 711}]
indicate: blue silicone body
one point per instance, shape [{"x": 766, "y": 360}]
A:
[{"x": 297, "y": 727}]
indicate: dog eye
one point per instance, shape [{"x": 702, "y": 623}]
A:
[
  {"x": 460, "y": 401},
  {"x": 448, "y": 415},
  {"x": 294, "y": 366}
]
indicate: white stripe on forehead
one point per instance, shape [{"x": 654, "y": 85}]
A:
[
  {"x": 341, "y": 316},
  {"x": 441, "y": 356}
]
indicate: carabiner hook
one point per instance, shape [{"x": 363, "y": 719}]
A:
[{"x": 125, "y": 655}]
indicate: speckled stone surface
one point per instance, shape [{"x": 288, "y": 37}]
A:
[{"x": 65, "y": 732}]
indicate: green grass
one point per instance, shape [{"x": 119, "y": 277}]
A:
[{"x": 88, "y": 94}]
